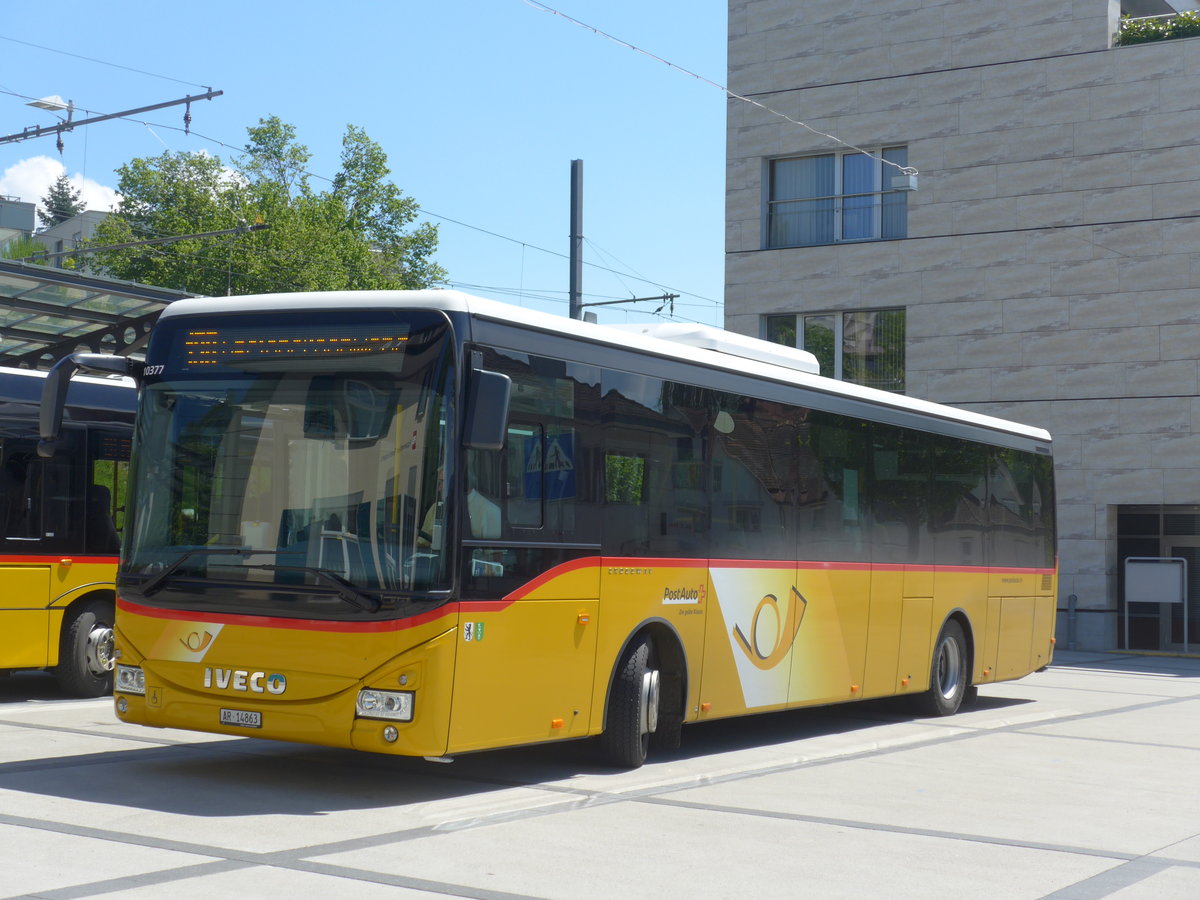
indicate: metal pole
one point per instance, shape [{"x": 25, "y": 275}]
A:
[
  {"x": 576, "y": 283},
  {"x": 33, "y": 132}
]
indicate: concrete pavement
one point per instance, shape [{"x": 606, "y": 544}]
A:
[{"x": 1079, "y": 782}]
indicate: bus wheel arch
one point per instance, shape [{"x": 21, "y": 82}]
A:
[
  {"x": 950, "y": 669},
  {"x": 647, "y": 696},
  {"x": 85, "y": 653}
]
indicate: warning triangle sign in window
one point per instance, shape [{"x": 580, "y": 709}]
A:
[
  {"x": 556, "y": 459},
  {"x": 533, "y": 459}
]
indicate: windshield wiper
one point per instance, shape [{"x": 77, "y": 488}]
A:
[
  {"x": 346, "y": 590},
  {"x": 155, "y": 584}
]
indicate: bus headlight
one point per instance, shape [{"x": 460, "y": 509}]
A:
[
  {"x": 396, "y": 705},
  {"x": 130, "y": 680}
]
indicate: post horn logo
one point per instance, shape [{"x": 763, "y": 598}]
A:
[
  {"x": 196, "y": 642},
  {"x": 787, "y": 626}
]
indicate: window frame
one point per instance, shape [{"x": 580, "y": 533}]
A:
[
  {"x": 880, "y": 191},
  {"x": 839, "y": 318}
]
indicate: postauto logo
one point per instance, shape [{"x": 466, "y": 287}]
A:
[{"x": 244, "y": 680}]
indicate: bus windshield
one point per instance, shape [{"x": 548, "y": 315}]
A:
[{"x": 289, "y": 477}]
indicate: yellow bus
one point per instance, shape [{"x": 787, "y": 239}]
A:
[
  {"x": 428, "y": 524},
  {"x": 60, "y": 520}
]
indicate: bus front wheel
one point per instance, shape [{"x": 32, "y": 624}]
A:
[
  {"x": 85, "y": 655},
  {"x": 949, "y": 674},
  {"x": 632, "y": 706}
]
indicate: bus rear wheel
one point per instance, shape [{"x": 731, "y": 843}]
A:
[
  {"x": 948, "y": 674},
  {"x": 85, "y": 655},
  {"x": 632, "y": 707}
]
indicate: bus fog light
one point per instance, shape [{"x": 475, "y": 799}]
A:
[
  {"x": 390, "y": 734},
  {"x": 130, "y": 680},
  {"x": 122, "y": 705},
  {"x": 396, "y": 705}
]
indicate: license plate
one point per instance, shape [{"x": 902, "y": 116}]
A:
[{"x": 242, "y": 718}]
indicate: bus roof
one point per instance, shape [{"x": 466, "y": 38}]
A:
[
  {"x": 701, "y": 347},
  {"x": 25, "y": 386}
]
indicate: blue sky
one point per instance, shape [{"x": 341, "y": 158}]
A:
[{"x": 480, "y": 105}]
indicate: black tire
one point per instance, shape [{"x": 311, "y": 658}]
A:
[
  {"x": 949, "y": 675},
  {"x": 632, "y": 707},
  {"x": 85, "y": 659}
]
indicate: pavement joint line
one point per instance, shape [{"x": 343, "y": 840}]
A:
[
  {"x": 1189, "y": 748},
  {"x": 862, "y": 825},
  {"x": 63, "y": 729},
  {"x": 1181, "y": 673},
  {"x": 223, "y": 859},
  {"x": 130, "y": 882},
  {"x": 1086, "y": 690},
  {"x": 1114, "y": 879}
]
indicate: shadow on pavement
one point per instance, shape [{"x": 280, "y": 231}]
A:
[
  {"x": 253, "y": 777},
  {"x": 18, "y": 687}
]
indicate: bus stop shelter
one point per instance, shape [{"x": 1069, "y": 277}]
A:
[{"x": 46, "y": 313}]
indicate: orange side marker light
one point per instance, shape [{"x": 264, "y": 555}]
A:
[{"x": 557, "y": 723}]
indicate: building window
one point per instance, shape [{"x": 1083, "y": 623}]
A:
[
  {"x": 836, "y": 197},
  {"x": 865, "y": 346}
]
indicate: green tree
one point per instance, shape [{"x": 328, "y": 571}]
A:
[
  {"x": 23, "y": 247},
  {"x": 357, "y": 235},
  {"x": 61, "y": 203}
]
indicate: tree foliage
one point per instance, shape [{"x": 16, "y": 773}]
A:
[
  {"x": 358, "y": 234},
  {"x": 1157, "y": 28},
  {"x": 22, "y": 247},
  {"x": 61, "y": 202}
]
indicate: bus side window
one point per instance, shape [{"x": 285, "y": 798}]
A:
[
  {"x": 40, "y": 496},
  {"x": 485, "y": 484},
  {"x": 19, "y": 476},
  {"x": 107, "y": 475},
  {"x": 524, "y": 481}
]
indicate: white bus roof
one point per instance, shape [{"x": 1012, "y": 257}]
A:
[
  {"x": 710, "y": 347},
  {"x": 110, "y": 380}
]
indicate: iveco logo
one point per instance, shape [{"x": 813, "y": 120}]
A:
[{"x": 241, "y": 680}]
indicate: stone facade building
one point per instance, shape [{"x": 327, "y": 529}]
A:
[{"x": 1045, "y": 268}]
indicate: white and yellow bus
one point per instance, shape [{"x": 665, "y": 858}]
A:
[
  {"x": 61, "y": 517},
  {"x": 428, "y": 524}
]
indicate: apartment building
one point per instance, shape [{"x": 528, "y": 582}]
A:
[{"x": 1009, "y": 224}]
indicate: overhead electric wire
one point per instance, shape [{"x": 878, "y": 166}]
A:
[
  {"x": 422, "y": 210},
  {"x": 99, "y": 61},
  {"x": 428, "y": 212},
  {"x": 542, "y": 7}
]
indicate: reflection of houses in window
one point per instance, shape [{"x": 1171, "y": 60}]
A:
[{"x": 865, "y": 347}]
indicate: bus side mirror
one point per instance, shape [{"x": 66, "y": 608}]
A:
[
  {"x": 487, "y": 410},
  {"x": 54, "y": 390}
]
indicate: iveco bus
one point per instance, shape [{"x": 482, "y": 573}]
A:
[{"x": 426, "y": 524}]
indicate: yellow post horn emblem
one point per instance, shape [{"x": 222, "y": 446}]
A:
[{"x": 785, "y": 634}]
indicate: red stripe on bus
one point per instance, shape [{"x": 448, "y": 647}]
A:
[
  {"x": 477, "y": 606},
  {"x": 182, "y": 615},
  {"x": 584, "y": 562}
]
